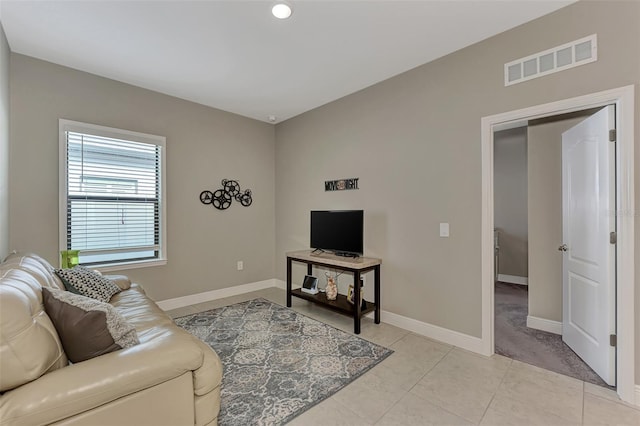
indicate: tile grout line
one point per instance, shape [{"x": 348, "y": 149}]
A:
[
  {"x": 398, "y": 339},
  {"x": 390, "y": 408},
  {"x": 616, "y": 402},
  {"x": 431, "y": 402},
  {"x": 337, "y": 401},
  {"x": 506, "y": 371},
  {"x": 430, "y": 369},
  {"x": 582, "y": 411}
]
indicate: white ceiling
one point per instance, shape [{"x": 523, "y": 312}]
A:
[{"x": 235, "y": 56}]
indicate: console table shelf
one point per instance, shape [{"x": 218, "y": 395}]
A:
[
  {"x": 339, "y": 305},
  {"x": 355, "y": 266}
]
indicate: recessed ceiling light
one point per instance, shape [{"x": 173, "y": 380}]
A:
[{"x": 281, "y": 10}]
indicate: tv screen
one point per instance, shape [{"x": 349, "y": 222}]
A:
[{"x": 339, "y": 231}]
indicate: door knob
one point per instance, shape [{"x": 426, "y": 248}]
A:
[{"x": 563, "y": 248}]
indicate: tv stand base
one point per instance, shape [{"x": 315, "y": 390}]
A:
[{"x": 356, "y": 266}]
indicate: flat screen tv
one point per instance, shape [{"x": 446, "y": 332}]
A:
[{"x": 338, "y": 231}]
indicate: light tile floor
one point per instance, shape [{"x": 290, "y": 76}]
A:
[{"x": 426, "y": 382}]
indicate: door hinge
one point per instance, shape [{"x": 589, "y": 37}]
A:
[
  {"x": 613, "y": 237},
  {"x": 613, "y": 340},
  {"x": 612, "y": 135}
]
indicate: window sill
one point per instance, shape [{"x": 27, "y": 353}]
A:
[{"x": 121, "y": 266}]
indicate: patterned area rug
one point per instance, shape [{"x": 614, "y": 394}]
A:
[{"x": 277, "y": 362}]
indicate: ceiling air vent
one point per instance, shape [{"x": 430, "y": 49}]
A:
[{"x": 557, "y": 59}]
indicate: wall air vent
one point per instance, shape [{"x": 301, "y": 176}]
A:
[{"x": 576, "y": 53}]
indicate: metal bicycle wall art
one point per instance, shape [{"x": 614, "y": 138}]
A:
[{"x": 221, "y": 198}]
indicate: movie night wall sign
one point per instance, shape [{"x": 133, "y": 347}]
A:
[{"x": 341, "y": 184}]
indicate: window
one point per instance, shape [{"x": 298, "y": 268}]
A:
[{"x": 112, "y": 200}]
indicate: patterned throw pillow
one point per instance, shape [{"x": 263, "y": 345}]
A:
[
  {"x": 87, "y": 327},
  {"x": 84, "y": 281}
]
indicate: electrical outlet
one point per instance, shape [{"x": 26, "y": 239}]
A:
[{"x": 240, "y": 265}]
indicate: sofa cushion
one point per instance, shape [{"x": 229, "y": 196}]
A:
[
  {"x": 84, "y": 281},
  {"x": 121, "y": 281},
  {"x": 87, "y": 327}
]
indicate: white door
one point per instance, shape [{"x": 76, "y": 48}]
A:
[{"x": 588, "y": 206}]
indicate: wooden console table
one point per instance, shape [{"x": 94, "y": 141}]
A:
[{"x": 356, "y": 266}]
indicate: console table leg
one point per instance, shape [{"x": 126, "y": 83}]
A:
[
  {"x": 377, "y": 293},
  {"x": 356, "y": 302},
  {"x": 288, "y": 282}
]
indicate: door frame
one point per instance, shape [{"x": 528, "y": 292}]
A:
[{"x": 623, "y": 99}]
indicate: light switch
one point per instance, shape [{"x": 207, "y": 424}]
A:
[{"x": 444, "y": 229}]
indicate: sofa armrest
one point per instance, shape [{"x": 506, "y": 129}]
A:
[
  {"x": 121, "y": 281},
  {"x": 209, "y": 376},
  {"x": 86, "y": 385}
]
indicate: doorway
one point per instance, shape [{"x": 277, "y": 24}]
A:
[
  {"x": 623, "y": 99},
  {"x": 528, "y": 218}
]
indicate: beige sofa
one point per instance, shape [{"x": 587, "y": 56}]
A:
[{"x": 169, "y": 378}]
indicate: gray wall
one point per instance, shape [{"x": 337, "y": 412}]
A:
[
  {"x": 204, "y": 145},
  {"x": 4, "y": 144},
  {"x": 545, "y": 217},
  {"x": 414, "y": 141},
  {"x": 510, "y": 199}
]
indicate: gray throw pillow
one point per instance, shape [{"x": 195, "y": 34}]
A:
[
  {"x": 87, "y": 327},
  {"x": 84, "y": 281}
]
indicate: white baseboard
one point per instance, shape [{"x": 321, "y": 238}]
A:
[
  {"x": 637, "y": 402},
  {"x": 550, "y": 326},
  {"x": 513, "y": 279},
  {"x": 281, "y": 284},
  {"x": 207, "y": 296},
  {"x": 461, "y": 340}
]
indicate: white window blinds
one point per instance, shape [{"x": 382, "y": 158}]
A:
[{"x": 113, "y": 197}]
